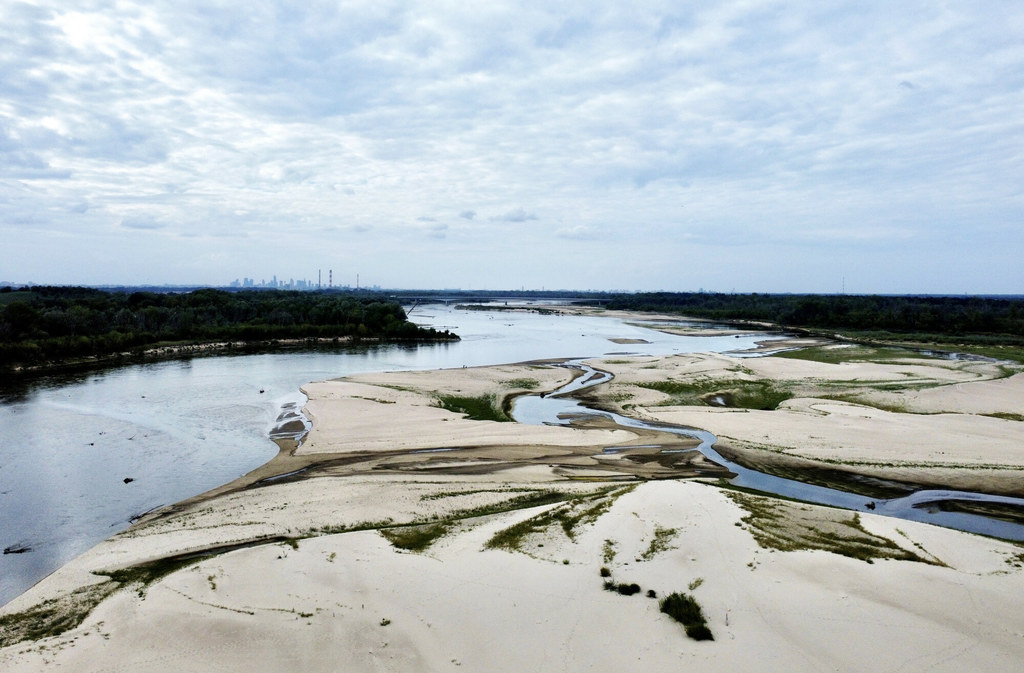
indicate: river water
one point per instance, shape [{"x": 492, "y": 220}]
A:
[
  {"x": 81, "y": 455},
  {"x": 557, "y": 409}
]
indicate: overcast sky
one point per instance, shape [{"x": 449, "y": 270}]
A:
[{"x": 749, "y": 145}]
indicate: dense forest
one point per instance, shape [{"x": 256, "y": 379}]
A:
[
  {"x": 45, "y": 324},
  {"x": 999, "y": 319}
]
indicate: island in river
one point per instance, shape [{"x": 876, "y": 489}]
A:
[{"x": 403, "y": 535}]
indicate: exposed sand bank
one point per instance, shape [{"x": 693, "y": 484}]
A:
[
  {"x": 931, "y": 421},
  {"x": 340, "y": 595}
]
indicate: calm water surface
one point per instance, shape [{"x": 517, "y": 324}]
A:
[{"x": 177, "y": 429}]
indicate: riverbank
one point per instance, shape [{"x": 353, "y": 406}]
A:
[{"x": 404, "y": 536}]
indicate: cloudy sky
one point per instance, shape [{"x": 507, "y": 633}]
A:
[{"x": 744, "y": 145}]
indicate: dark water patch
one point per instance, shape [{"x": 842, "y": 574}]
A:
[{"x": 1010, "y": 512}]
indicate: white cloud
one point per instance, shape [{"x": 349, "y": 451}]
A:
[
  {"x": 578, "y": 232},
  {"x": 668, "y": 126},
  {"x": 515, "y": 215}
]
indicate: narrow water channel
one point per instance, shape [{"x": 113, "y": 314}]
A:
[{"x": 558, "y": 408}]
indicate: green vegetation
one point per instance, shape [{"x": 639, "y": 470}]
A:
[
  {"x": 582, "y": 511},
  {"x": 735, "y": 393},
  {"x": 579, "y": 511},
  {"x": 530, "y": 499},
  {"x": 684, "y": 609},
  {"x": 533, "y": 498},
  {"x": 511, "y": 538},
  {"x": 142, "y": 575},
  {"x": 608, "y": 551},
  {"x": 854, "y": 353},
  {"x": 415, "y": 538},
  {"x": 61, "y": 614},
  {"x": 660, "y": 542},
  {"x": 976, "y": 319},
  {"x": 483, "y": 408},
  {"x": 54, "y": 616},
  {"x": 523, "y": 383},
  {"x": 67, "y": 612},
  {"x": 48, "y": 324},
  {"x": 790, "y": 526}
]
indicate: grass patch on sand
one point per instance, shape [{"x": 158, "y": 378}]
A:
[
  {"x": 853, "y": 353},
  {"x": 144, "y": 574},
  {"x": 482, "y": 408},
  {"x": 660, "y": 542},
  {"x": 579, "y": 511},
  {"x": 415, "y": 538},
  {"x": 731, "y": 393},
  {"x": 55, "y": 616},
  {"x": 608, "y": 551},
  {"x": 790, "y": 526},
  {"x": 521, "y": 383},
  {"x": 685, "y": 609}
]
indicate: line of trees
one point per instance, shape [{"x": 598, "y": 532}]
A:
[
  {"x": 44, "y": 324},
  {"x": 950, "y": 316}
]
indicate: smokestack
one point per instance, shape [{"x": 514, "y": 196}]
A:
[{"x": 330, "y": 278}]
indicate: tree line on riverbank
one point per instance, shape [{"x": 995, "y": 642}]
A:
[
  {"x": 46, "y": 324},
  {"x": 970, "y": 317}
]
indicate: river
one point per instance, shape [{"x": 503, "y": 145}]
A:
[
  {"x": 555, "y": 408},
  {"x": 81, "y": 455}
]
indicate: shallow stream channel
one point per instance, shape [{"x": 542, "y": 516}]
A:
[{"x": 559, "y": 408}]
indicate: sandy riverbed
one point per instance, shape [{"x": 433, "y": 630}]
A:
[{"x": 325, "y": 590}]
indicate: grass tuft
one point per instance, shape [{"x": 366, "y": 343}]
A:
[
  {"x": 684, "y": 609},
  {"x": 415, "y": 538},
  {"x": 483, "y": 408}
]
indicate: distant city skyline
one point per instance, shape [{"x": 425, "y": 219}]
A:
[{"x": 871, "y": 147}]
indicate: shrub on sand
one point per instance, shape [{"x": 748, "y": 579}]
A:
[{"x": 684, "y": 609}]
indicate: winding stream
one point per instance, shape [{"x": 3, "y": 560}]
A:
[{"x": 557, "y": 408}]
